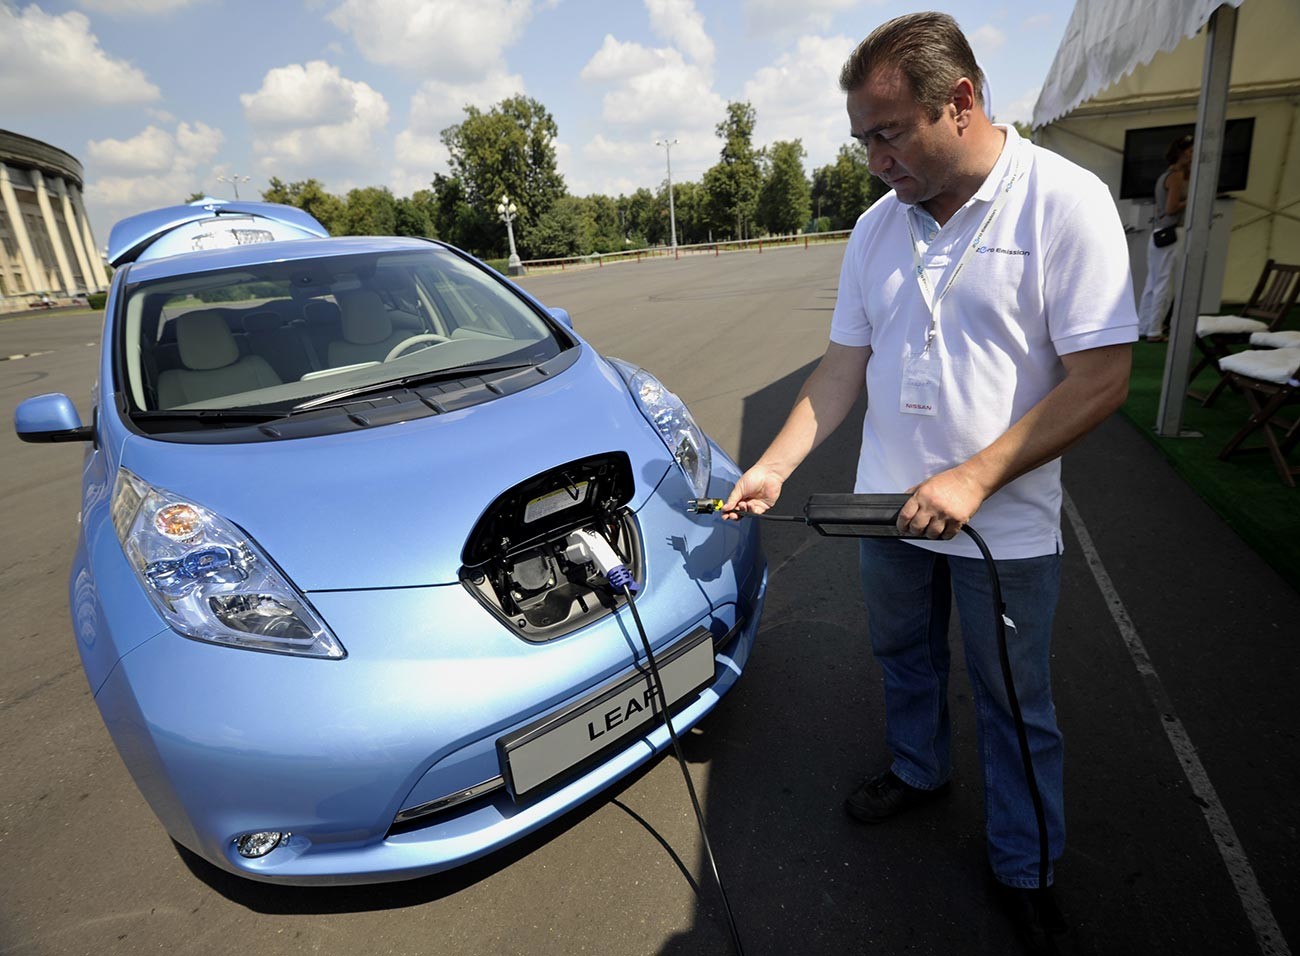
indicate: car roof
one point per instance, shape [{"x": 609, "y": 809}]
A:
[{"x": 237, "y": 257}]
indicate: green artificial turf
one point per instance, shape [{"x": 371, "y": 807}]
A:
[{"x": 1245, "y": 490}]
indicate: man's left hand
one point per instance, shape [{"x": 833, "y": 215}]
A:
[{"x": 941, "y": 506}]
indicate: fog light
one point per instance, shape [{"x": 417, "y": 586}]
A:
[{"x": 254, "y": 845}]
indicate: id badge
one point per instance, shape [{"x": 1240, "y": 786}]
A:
[{"x": 922, "y": 375}]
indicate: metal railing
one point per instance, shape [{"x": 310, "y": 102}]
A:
[{"x": 597, "y": 260}]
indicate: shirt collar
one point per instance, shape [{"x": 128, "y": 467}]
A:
[
  {"x": 989, "y": 188},
  {"x": 927, "y": 224}
]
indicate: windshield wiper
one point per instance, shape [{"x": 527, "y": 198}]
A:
[
  {"x": 210, "y": 416},
  {"x": 422, "y": 378}
]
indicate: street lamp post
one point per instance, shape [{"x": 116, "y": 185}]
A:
[
  {"x": 234, "y": 179},
  {"x": 668, "y": 145},
  {"x": 508, "y": 211}
]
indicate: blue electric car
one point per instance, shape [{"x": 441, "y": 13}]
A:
[{"x": 349, "y": 505}]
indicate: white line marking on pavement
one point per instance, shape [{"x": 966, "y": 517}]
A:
[{"x": 1267, "y": 933}]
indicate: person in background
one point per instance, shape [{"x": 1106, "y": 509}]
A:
[
  {"x": 1163, "y": 245},
  {"x": 986, "y": 304}
]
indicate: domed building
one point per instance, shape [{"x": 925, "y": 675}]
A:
[{"x": 46, "y": 247}]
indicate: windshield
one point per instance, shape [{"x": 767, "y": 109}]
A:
[{"x": 280, "y": 333}]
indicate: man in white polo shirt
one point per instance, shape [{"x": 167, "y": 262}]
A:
[{"x": 987, "y": 305}]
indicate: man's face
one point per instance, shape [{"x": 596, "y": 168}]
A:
[{"x": 913, "y": 154}]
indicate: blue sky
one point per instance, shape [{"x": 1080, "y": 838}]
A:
[{"x": 158, "y": 98}]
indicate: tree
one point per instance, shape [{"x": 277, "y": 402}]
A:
[
  {"x": 510, "y": 149},
  {"x": 563, "y": 230},
  {"x": 195, "y": 197},
  {"x": 691, "y": 204},
  {"x": 371, "y": 211},
  {"x": 784, "y": 201},
  {"x": 645, "y": 226},
  {"x": 843, "y": 190},
  {"x": 733, "y": 183},
  {"x": 459, "y": 223},
  {"x": 414, "y": 215},
  {"x": 309, "y": 196}
]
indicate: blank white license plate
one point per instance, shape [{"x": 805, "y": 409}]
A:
[{"x": 532, "y": 756}]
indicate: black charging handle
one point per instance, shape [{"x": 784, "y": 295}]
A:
[{"x": 856, "y": 516}]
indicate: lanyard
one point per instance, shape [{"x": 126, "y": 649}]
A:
[{"x": 923, "y": 280}]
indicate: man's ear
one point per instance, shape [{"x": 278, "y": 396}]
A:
[{"x": 963, "y": 102}]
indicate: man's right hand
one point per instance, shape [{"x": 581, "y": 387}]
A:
[{"x": 755, "y": 492}]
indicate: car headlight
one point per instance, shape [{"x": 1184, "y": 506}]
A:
[
  {"x": 208, "y": 579},
  {"x": 672, "y": 419}
]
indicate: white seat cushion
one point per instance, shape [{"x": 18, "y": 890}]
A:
[
  {"x": 1227, "y": 325},
  {"x": 1287, "y": 339},
  {"x": 368, "y": 333},
  {"x": 1276, "y": 365},
  {"x": 213, "y": 367}
]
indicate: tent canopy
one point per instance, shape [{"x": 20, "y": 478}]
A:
[{"x": 1123, "y": 65}]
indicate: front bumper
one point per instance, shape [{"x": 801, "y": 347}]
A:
[{"x": 222, "y": 741}]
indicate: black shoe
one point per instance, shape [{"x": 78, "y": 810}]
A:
[
  {"x": 884, "y": 796},
  {"x": 1034, "y": 914}
]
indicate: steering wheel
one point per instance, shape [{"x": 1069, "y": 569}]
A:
[{"x": 427, "y": 338}]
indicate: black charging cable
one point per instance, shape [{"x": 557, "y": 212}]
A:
[
  {"x": 876, "y": 516},
  {"x": 621, "y": 578}
]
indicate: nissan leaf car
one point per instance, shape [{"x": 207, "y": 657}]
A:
[{"x": 354, "y": 516}]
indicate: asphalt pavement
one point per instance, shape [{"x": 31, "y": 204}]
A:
[{"x": 1175, "y": 663}]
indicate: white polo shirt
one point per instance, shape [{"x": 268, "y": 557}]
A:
[{"x": 1050, "y": 276}]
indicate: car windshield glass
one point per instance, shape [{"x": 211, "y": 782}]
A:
[{"x": 277, "y": 334}]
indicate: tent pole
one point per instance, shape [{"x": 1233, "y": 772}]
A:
[{"x": 1220, "y": 34}]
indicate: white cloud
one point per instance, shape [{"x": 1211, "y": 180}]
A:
[
  {"x": 418, "y": 151},
  {"x": 654, "y": 87},
  {"x": 297, "y": 96},
  {"x": 798, "y": 97},
  {"x": 1038, "y": 21},
  {"x": 153, "y": 168},
  {"x": 674, "y": 95},
  {"x": 616, "y": 61},
  {"x": 417, "y": 158},
  {"x": 1021, "y": 108},
  {"x": 136, "y": 7},
  {"x": 54, "y": 63},
  {"x": 150, "y": 151},
  {"x": 622, "y": 165},
  {"x": 311, "y": 121},
  {"x": 783, "y": 17},
  {"x": 678, "y": 22},
  {"x": 652, "y": 93},
  {"x": 986, "y": 41},
  {"x": 438, "y": 104},
  {"x": 447, "y": 39}
]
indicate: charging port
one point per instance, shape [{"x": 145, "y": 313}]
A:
[{"x": 529, "y": 559}]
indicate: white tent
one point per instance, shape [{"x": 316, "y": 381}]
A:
[{"x": 1125, "y": 65}]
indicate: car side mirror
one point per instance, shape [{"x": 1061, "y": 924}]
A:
[
  {"x": 50, "y": 418},
  {"x": 561, "y": 316}
]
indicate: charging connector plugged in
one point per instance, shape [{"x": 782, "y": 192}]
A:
[{"x": 588, "y": 544}]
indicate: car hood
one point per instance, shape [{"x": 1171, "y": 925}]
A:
[{"x": 392, "y": 506}]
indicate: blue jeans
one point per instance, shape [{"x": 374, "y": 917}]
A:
[{"x": 909, "y": 592}]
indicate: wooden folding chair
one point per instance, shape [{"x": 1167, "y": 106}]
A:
[
  {"x": 1274, "y": 295},
  {"x": 1268, "y": 379}
]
